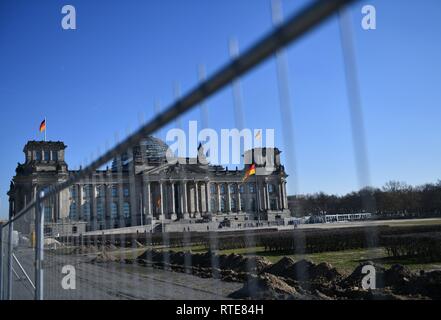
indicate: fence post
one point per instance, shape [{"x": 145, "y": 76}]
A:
[
  {"x": 11, "y": 229},
  {"x": 39, "y": 225},
  {"x": 1, "y": 262}
]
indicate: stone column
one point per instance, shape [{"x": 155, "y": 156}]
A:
[
  {"x": 196, "y": 207},
  {"x": 207, "y": 197},
  {"x": 257, "y": 197},
  {"x": 79, "y": 201},
  {"x": 280, "y": 203},
  {"x": 173, "y": 211},
  {"x": 149, "y": 200},
  {"x": 228, "y": 198},
  {"x": 285, "y": 196},
  {"x": 218, "y": 198},
  {"x": 161, "y": 198},
  {"x": 184, "y": 200},
  {"x": 239, "y": 200},
  {"x": 268, "y": 203}
]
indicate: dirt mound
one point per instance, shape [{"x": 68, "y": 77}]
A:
[
  {"x": 427, "y": 284},
  {"x": 354, "y": 280},
  {"x": 105, "y": 257},
  {"x": 324, "y": 271},
  {"x": 397, "y": 276},
  {"x": 279, "y": 268},
  {"x": 303, "y": 270},
  {"x": 265, "y": 287}
]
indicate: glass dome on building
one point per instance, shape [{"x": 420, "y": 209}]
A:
[{"x": 150, "y": 150}]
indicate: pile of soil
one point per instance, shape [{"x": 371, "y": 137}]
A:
[
  {"x": 303, "y": 270},
  {"x": 266, "y": 287},
  {"x": 233, "y": 262},
  {"x": 303, "y": 279},
  {"x": 104, "y": 257},
  {"x": 355, "y": 278}
]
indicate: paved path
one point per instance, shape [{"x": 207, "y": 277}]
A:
[{"x": 116, "y": 281}]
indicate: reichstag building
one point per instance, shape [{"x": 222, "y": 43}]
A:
[{"x": 144, "y": 188}]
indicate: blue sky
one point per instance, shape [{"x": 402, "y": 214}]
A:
[{"x": 93, "y": 83}]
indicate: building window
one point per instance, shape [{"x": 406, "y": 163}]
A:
[
  {"x": 242, "y": 206},
  {"x": 253, "y": 205},
  {"x": 233, "y": 204},
  {"x": 126, "y": 210},
  {"x": 73, "y": 210},
  {"x": 126, "y": 191},
  {"x": 99, "y": 210},
  {"x": 222, "y": 189},
  {"x": 223, "y": 205},
  {"x": 47, "y": 155},
  {"x": 86, "y": 210},
  {"x": 54, "y": 156},
  {"x": 114, "y": 191},
  {"x": 241, "y": 188},
  {"x": 271, "y": 188},
  {"x": 213, "y": 205},
  {"x": 100, "y": 191},
  {"x": 73, "y": 192},
  {"x": 38, "y": 155},
  {"x": 114, "y": 210},
  {"x": 232, "y": 188},
  {"x": 273, "y": 204},
  {"x": 47, "y": 213},
  {"x": 252, "y": 187},
  {"x": 86, "y": 191},
  {"x": 212, "y": 188}
]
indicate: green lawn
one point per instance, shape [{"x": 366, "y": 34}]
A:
[{"x": 345, "y": 261}]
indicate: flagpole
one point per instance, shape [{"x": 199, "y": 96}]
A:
[{"x": 45, "y": 128}]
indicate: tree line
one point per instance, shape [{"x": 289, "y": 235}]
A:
[{"x": 394, "y": 198}]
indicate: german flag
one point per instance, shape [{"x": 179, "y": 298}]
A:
[
  {"x": 250, "y": 172},
  {"x": 43, "y": 125}
]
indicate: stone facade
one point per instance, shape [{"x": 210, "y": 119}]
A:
[{"x": 144, "y": 188}]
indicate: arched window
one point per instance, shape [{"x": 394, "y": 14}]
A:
[
  {"x": 232, "y": 188},
  {"x": 222, "y": 189},
  {"x": 114, "y": 210},
  {"x": 241, "y": 188},
  {"x": 212, "y": 188},
  {"x": 126, "y": 210}
]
